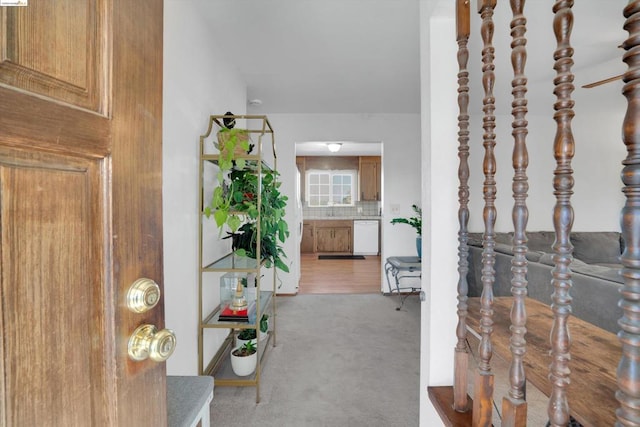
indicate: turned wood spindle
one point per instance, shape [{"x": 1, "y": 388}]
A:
[
  {"x": 514, "y": 405},
  {"x": 483, "y": 389},
  {"x": 564, "y": 147},
  {"x": 628, "y": 373},
  {"x": 461, "y": 362}
]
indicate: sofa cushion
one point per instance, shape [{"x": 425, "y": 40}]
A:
[
  {"x": 540, "y": 240},
  {"x": 596, "y": 247},
  {"x": 503, "y": 248},
  {"x": 600, "y": 272}
]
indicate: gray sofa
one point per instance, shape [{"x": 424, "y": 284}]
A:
[{"x": 596, "y": 278}]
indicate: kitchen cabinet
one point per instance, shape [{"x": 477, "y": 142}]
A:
[
  {"x": 370, "y": 178},
  {"x": 308, "y": 245},
  {"x": 334, "y": 236}
]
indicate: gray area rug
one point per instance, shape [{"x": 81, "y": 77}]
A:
[{"x": 340, "y": 360}]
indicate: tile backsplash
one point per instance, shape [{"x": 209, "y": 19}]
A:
[{"x": 359, "y": 209}]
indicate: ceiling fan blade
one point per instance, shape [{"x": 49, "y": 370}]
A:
[{"x": 601, "y": 82}]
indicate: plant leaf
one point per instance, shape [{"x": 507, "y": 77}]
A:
[
  {"x": 221, "y": 217},
  {"x": 234, "y": 222}
]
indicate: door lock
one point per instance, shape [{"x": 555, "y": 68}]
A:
[
  {"x": 147, "y": 342},
  {"x": 143, "y": 295}
]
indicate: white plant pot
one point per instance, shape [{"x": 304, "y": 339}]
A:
[{"x": 243, "y": 366}]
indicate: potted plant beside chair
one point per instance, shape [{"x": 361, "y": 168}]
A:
[{"x": 416, "y": 223}]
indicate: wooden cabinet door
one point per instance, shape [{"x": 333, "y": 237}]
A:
[
  {"x": 342, "y": 239},
  {"x": 307, "y": 245},
  {"x": 81, "y": 210},
  {"x": 370, "y": 178},
  {"x": 334, "y": 239},
  {"x": 324, "y": 239}
]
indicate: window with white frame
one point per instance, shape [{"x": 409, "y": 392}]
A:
[{"x": 331, "y": 187}]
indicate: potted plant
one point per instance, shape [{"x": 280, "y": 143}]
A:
[
  {"x": 273, "y": 228},
  {"x": 235, "y": 203},
  {"x": 232, "y": 143},
  {"x": 247, "y": 335},
  {"x": 244, "y": 359},
  {"x": 416, "y": 223}
]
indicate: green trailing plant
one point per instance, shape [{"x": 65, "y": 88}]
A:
[
  {"x": 235, "y": 203},
  {"x": 226, "y": 196},
  {"x": 273, "y": 228},
  {"x": 264, "y": 323},
  {"x": 230, "y": 142},
  {"x": 413, "y": 221}
]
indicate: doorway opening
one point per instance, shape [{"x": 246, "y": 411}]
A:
[{"x": 339, "y": 192}]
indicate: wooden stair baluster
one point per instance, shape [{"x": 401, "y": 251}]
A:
[
  {"x": 564, "y": 147},
  {"x": 483, "y": 389},
  {"x": 461, "y": 359},
  {"x": 514, "y": 405},
  {"x": 628, "y": 373}
]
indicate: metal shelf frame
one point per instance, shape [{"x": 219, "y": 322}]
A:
[{"x": 219, "y": 365}]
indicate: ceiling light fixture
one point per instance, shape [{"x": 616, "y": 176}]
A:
[
  {"x": 334, "y": 147},
  {"x": 255, "y": 102}
]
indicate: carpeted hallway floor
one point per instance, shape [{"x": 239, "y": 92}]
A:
[{"x": 340, "y": 360}]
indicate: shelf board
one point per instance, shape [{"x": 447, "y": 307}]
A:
[
  {"x": 233, "y": 262},
  {"x": 220, "y": 365},
  {"x": 212, "y": 320},
  {"x": 251, "y": 161}
]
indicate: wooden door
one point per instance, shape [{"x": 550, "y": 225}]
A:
[{"x": 80, "y": 210}]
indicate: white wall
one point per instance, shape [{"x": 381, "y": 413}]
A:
[
  {"x": 597, "y": 164},
  {"x": 400, "y": 137},
  {"x": 439, "y": 159},
  {"x": 197, "y": 83}
]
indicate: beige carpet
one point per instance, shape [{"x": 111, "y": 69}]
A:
[{"x": 340, "y": 360}]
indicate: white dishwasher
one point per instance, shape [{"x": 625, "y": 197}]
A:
[{"x": 365, "y": 237}]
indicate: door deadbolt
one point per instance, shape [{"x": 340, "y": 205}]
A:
[
  {"x": 147, "y": 342},
  {"x": 143, "y": 295}
]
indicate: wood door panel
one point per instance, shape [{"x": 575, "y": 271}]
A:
[
  {"x": 324, "y": 239},
  {"x": 56, "y": 49},
  {"x": 35, "y": 122},
  {"x": 84, "y": 190},
  {"x": 342, "y": 239},
  {"x": 51, "y": 244}
]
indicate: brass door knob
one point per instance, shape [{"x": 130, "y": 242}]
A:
[
  {"x": 147, "y": 342},
  {"x": 143, "y": 295}
]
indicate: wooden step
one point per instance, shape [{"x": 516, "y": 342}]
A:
[{"x": 442, "y": 400}]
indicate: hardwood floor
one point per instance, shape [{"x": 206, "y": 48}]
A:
[{"x": 342, "y": 276}]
